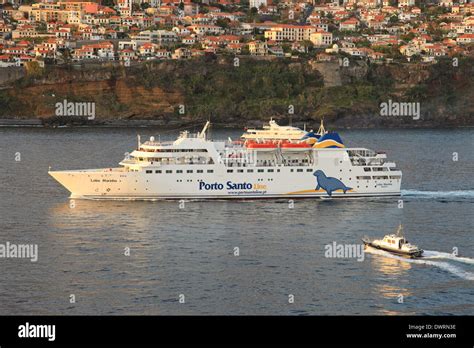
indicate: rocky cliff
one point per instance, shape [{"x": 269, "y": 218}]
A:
[{"x": 246, "y": 92}]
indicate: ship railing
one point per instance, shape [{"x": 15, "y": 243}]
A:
[
  {"x": 273, "y": 164},
  {"x": 158, "y": 143},
  {"x": 128, "y": 161},
  {"x": 298, "y": 164},
  {"x": 390, "y": 164},
  {"x": 108, "y": 170},
  {"x": 375, "y": 162}
]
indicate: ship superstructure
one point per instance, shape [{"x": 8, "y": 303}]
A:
[{"x": 273, "y": 131}]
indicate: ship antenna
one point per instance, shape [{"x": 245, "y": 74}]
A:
[
  {"x": 209, "y": 130},
  {"x": 138, "y": 139},
  {"x": 321, "y": 130},
  {"x": 400, "y": 230}
]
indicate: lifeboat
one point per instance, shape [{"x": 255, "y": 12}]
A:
[
  {"x": 292, "y": 147},
  {"x": 261, "y": 146}
]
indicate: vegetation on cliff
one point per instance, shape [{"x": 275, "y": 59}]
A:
[{"x": 237, "y": 92}]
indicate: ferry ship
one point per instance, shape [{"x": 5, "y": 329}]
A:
[{"x": 195, "y": 167}]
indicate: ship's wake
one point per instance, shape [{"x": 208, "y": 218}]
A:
[
  {"x": 438, "y": 194},
  {"x": 431, "y": 255},
  {"x": 446, "y": 266}
]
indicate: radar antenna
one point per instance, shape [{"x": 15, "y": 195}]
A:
[{"x": 321, "y": 130}]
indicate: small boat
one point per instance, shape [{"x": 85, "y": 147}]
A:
[
  {"x": 394, "y": 243},
  {"x": 291, "y": 147},
  {"x": 262, "y": 146}
]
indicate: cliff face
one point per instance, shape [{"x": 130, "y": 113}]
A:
[
  {"x": 10, "y": 75},
  {"x": 114, "y": 92},
  {"x": 250, "y": 92},
  {"x": 113, "y": 98},
  {"x": 445, "y": 93}
]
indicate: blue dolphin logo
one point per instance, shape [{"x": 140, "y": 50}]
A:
[{"x": 329, "y": 184}]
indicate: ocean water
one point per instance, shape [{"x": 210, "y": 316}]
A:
[{"x": 190, "y": 252}]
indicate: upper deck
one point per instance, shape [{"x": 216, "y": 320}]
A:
[
  {"x": 275, "y": 132},
  {"x": 195, "y": 149}
]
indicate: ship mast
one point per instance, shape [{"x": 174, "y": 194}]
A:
[
  {"x": 204, "y": 130},
  {"x": 400, "y": 230},
  {"x": 321, "y": 130}
]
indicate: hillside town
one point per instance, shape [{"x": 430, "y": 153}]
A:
[{"x": 133, "y": 31}]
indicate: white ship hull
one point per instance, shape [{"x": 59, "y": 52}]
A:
[{"x": 262, "y": 182}]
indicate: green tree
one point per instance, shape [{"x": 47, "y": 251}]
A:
[
  {"x": 135, "y": 7},
  {"x": 394, "y": 19},
  {"x": 41, "y": 27},
  {"x": 223, "y": 23},
  {"x": 108, "y": 3}
]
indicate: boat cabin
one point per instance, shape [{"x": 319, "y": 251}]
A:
[{"x": 395, "y": 241}]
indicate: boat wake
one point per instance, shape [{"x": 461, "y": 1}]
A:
[
  {"x": 431, "y": 255},
  {"x": 438, "y": 194},
  {"x": 446, "y": 266}
]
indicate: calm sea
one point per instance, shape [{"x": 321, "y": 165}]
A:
[{"x": 188, "y": 253}]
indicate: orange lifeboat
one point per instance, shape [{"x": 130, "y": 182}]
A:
[
  {"x": 295, "y": 146},
  {"x": 261, "y": 146}
]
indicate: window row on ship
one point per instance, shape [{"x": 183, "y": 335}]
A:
[
  {"x": 172, "y": 150},
  {"x": 298, "y": 170}
]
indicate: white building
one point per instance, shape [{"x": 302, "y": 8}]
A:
[
  {"x": 288, "y": 32},
  {"x": 257, "y": 3},
  {"x": 156, "y": 36},
  {"x": 321, "y": 39},
  {"x": 406, "y": 3}
]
